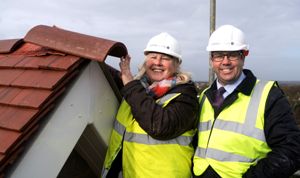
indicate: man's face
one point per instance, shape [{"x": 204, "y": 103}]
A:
[
  {"x": 160, "y": 66},
  {"x": 227, "y": 65}
]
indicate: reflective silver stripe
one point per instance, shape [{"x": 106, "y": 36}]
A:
[
  {"x": 148, "y": 140},
  {"x": 204, "y": 126},
  {"x": 221, "y": 155},
  {"x": 234, "y": 127},
  {"x": 200, "y": 152},
  {"x": 252, "y": 111},
  {"x": 243, "y": 129},
  {"x": 119, "y": 127},
  {"x": 165, "y": 98},
  {"x": 104, "y": 173}
]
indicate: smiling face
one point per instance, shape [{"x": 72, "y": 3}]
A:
[
  {"x": 160, "y": 66},
  {"x": 228, "y": 66}
]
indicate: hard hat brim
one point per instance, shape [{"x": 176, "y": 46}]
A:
[
  {"x": 160, "y": 50},
  {"x": 227, "y": 48}
]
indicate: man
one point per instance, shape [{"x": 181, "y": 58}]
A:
[
  {"x": 250, "y": 133},
  {"x": 156, "y": 122}
]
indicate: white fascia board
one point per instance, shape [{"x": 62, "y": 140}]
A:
[{"x": 103, "y": 104}]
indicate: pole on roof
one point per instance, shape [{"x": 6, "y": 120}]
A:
[{"x": 211, "y": 76}]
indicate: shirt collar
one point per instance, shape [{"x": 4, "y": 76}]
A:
[{"x": 230, "y": 87}]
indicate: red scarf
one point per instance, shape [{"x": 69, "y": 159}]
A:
[{"x": 158, "y": 89}]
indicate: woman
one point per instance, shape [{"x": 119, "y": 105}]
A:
[{"x": 157, "y": 118}]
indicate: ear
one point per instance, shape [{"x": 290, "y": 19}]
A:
[
  {"x": 245, "y": 52},
  {"x": 180, "y": 61},
  {"x": 177, "y": 60},
  {"x": 210, "y": 63}
]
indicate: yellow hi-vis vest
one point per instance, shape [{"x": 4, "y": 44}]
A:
[
  {"x": 144, "y": 156},
  {"x": 235, "y": 140}
]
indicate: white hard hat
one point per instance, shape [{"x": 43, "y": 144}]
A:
[
  {"x": 227, "y": 38},
  {"x": 164, "y": 43}
]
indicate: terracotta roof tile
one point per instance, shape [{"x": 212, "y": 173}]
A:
[
  {"x": 28, "y": 88},
  {"x": 7, "y": 76},
  {"x": 63, "y": 63},
  {"x": 10, "y": 61},
  {"x": 30, "y": 98},
  {"x": 28, "y": 49},
  {"x": 8, "y": 138},
  {"x": 7, "y": 94},
  {"x": 15, "y": 118},
  {"x": 44, "y": 79},
  {"x": 7, "y": 46},
  {"x": 32, "y": 62},
  {"x": 34, "y": 73},
  {"x": 74, "y": 43}
]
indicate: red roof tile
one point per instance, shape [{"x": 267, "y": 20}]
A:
[
  {"x": 36, "y": 78},
  {"x": 29, "y": 98},
  {"x": 10, "y": 61},
  {"x": 15, "y": 118},
  {"x": 7, "y": 46},
  {"x": 73, "y": 43},
  {"x": 8, "y": 138},
  {"x": 7, "y": 94},
  {"x": 34, "y": 72},
  {"x": 7, "y": 76}
]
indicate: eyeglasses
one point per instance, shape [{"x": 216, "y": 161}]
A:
[{"x": 218, "y": 56}]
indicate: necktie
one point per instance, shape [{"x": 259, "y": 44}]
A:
[{"x": 218, "y": 100}]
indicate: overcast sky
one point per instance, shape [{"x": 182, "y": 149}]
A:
[{"x": 272, "y": 28}]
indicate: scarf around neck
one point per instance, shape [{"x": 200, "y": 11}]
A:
[{"x": 158, "y": 89}]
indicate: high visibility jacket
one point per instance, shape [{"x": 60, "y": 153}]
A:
[
  {"x": 235, "y": 140},
  {"x": 144, "y": 156}
]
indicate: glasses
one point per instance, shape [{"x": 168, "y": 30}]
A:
[{"x": 231, "y": 56}]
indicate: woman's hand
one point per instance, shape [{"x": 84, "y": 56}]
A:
[{"x": 125, "y": 69}]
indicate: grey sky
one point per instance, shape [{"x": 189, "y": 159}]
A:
[{"x": 271, "y": 28}]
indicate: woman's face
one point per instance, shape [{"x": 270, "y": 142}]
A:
[{"x": 160, "y": 66}]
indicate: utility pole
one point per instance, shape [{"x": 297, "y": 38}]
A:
[{"x": 211, "y": 76}]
